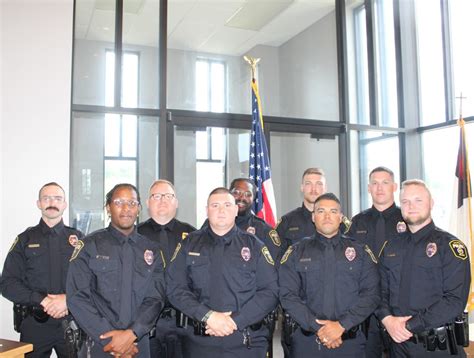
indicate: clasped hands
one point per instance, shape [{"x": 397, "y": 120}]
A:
[
  {"x": 330, "y": 334},
  {"x": 220, "y": 324}
]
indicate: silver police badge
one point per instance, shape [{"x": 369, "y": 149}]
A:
[
  {"x": 401, "y": 227},
  {"x": 251, "y": 230},
  {"x": 431, "y": 249},
  {"x": 148, "y": 256},
  {"x": 245, "y": 253},
  {"x": 73, "y": 240},
  {"x": 350, "y": 253}
]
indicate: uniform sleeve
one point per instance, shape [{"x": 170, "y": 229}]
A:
[
  {"x": 13, "y": 282},
  {"x": 79, "y": 297},
  {"x": 282, "y": 230},
  {"x": 266, "y": 295},
  {"x": 369, "y": 293},
  {"x": 153, "y": 302},
  {"x": 456, "y": 279},
  {"x": 290, "y": 287},
  {"x": 177, "y": 289}
]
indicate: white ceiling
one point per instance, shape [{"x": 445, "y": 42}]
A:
[{"x": 229, "y": 27}]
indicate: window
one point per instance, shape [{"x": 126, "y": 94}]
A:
[{"x": 210, "y": 86}]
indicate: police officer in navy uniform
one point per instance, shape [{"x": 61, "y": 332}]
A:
[
  {"x": 163, "y": 227},
  {"x": 329, "y": 285},
  {"x": 298, "y": 223},
  {"x": 425, "y": 280},
  {"x": 224, "y": 280},
  {"x": 115, "y": 283},
  {"x": 34, "y": 275},
  {"x": 374, "y": 227}
]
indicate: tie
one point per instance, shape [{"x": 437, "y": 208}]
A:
[
  {"x": 379, "y": 234},
  {"x": 163, "y": 240},
  {"x": 329, "y": 281},
  {"x": 217, "y": 284},
  {"x": 126, "y": 289},
  {"x": 54, "y": 263},
  {"x": 405, "y": 277}
]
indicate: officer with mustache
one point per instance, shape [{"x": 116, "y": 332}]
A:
[{"x": 34, "y": 275}]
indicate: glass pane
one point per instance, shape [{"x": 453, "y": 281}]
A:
[
  {"x": 370, "y": 149},
  {"x": 94, "y": 32},
  {"x": 357, "y": 63},
  {"x": 386, "y": 63},
  {"x": 439, "y": 167},
  {"x": 195, "y": 178},
  {"x": 112, "y": 135},
  {"x": 430, "y": 62},
  {"x": 202, "y": 145},
  {"x": 140, "y": 37},
  {"x": 218, "y": 143},
  {"x": 129, "y": 136},
  {"x": 130, "y": 80},
  {"x": 295, "y": 152},
  {"x": 296, "y": 41},
  {"x": 92, "y": 174},
  {"x": 463, "y": 53}
]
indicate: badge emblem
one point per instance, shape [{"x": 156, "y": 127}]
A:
[
  {"x": 350, "y": 253},
  {"x": 148, "y": 256},
  {"x": 245, "y": 253},
  {"x": 73, "y": 240},
  {"x": 431, "y": 249},
  {"x": 251, "y": 230},
  {"x": 401, "y": 227}
]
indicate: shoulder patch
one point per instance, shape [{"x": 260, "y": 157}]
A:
[
  {"x": 184, "y": 235},
  {"x": 347, "y": 224},
  {"x": 286, "y": 255},
  {"x": 14, "y": 244},
  {"x": 458, "y": 249},
  {"x": 178, "y": 247},
  {"x": 77, "y": 249},
  {"x": 275, "y": 237},
  {"x": 267, "y": 255},
  {"x": 371, "y": 254}
]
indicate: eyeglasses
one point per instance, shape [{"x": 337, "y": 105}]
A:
[
  {"x": 48, "y": 198},
  {"x": 123, "y": 202},
  {"x": 164, "y": 196},
  {"x": 238, "y": 193}
]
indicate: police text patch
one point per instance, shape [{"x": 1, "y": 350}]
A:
[
  {"x": 275, "y": 238},
  {"x": 458, "y": 249}
]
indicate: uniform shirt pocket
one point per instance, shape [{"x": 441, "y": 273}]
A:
[
  {"x": 106, "y": 273},
  {"x": 198, "y": 269}
]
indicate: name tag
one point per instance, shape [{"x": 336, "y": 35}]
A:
[
  {"x": 33, "y": 245},
  {"x": 296, "y": 228},
  {"x": 194, "y": 253},
  {"x": 308, "y": 259},
  {"x": 100, "y": 257},
  {"x": 361, "y": 232}
]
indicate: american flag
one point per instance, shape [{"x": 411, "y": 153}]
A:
[{"x": 259, "y": 164}]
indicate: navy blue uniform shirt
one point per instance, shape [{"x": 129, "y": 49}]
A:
[
  {"x": 176, "y": 231},
  {"x": 426, "y": 275},
  {"x": 294, "y": 226},
  {"x": 37, "y": 263},
  {"x": 234, "y": 272},
  {"x": 108, "y": 290},
  {"x": 363, "y": 226},
  {"x": 352, "y": 284}
]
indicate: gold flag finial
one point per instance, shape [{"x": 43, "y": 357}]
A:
[{"x": 252, "y": 61}]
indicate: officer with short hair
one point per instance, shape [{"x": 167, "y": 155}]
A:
[
  {"x": 34, "y": 275},
  {"x": 425, "y": 280},
  {"x": 374, "y": 227},
  {"x": 224, "y": 281},
  {"x": 115, "y": 283},
  {"x": 329, "y": 285},
  {"x": 164, "y": 228}
]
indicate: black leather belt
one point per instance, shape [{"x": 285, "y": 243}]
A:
[{"x": 350, "y": 334}]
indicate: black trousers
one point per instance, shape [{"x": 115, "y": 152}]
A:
[
  {"x": 306, "y": 347},
  {"x": 374, "y": 347},
  {"x": 168, "y": 339},
  {"x": 226, "y": 347},
  {"x": 44, "y": 336},
  {"x": 417, "y": 350}
]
